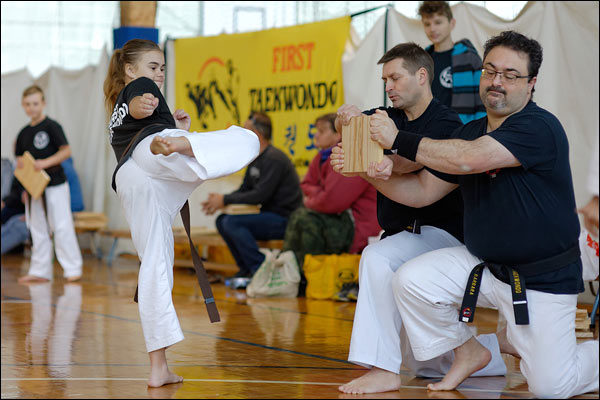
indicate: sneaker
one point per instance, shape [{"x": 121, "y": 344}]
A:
[
  {"x": 342, "y": 295},
  {"x": 353, "y": 292},
  {"x": 238, "y": 283},
  {"x": 236, "y": 280}
]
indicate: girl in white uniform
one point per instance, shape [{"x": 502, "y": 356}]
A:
[{"x": 160, "y": 164}]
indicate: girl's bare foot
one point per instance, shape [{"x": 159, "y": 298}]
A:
[
  {"x": 73, "y": 278},
  {"x": 159, "y": 370},
  {"x": 32, "y": 279},
  {"x": 505, "y": 346},
  {"x": 171, "y": 144},
  {"x": 375, "y": 381},
  {"x": 469, "y": 358},
  {"x": 163, "y": 377}
]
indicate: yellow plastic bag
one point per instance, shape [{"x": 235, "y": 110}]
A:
[{"x": 325, "y": 274}]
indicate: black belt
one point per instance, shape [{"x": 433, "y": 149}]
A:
[
  {"x": 515, "y": 276},
  {"x": 415, "y": 227}
]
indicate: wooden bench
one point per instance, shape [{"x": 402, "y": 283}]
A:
[
  {"x": 201, "y": 236},
  {"x": 90, "y": 223}
]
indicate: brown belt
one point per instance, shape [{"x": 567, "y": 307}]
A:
[{"x": 201, "y": 274}]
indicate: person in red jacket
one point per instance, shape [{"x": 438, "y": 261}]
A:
[{"x": 339, "y": 213}]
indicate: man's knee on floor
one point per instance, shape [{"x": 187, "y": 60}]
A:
[{"x": 549, "y": 389}]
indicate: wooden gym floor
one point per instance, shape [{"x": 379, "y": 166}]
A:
[{"x": 84, "y": 340}]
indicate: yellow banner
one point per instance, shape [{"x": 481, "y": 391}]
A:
[{"x": 293, "y": 74}]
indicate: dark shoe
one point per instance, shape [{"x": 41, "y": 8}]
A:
[
  {"x": 353, "y": 292},
  {"x": 342, "y": 295},
  {"x": 237, "y": 283}
]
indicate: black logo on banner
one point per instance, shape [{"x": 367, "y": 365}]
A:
[{"x": 217, "y": 91}]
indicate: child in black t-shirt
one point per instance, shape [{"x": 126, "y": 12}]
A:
[
  {"x": 46, "y": 141},
  {"x": 160, "y": 164}
]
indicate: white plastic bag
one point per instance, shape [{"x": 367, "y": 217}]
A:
[{"x": 277, "y": 276}]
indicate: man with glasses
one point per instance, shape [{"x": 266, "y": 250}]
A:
[
  {"x": 521, "y": 232},
  {"x": 271, "y": 180}
]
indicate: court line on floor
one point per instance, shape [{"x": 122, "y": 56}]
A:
[
  {"x": 477, "y": 390},
  {"x": 207, "y": 335},
  {"x": 175, "y": 365}
]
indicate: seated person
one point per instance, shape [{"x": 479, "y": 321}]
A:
[
  {"x": 271, "y": 181},
  {"x": 14, "y": 229},
  {"x": 324, "y": 225}
]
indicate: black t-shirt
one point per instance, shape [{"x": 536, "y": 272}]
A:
[
  {"x": 43, "y": 141},
  {"x": 272, "y": 181},
  {"x": 524, "y": 214},
  {"x": 123, "y": 127},
  {"x": 441, "y": 87},
  {"x": 437, "y": 122}
]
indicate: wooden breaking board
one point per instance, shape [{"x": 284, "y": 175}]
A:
[
  {"x": 33, "y": 181},
  {"x": 359, "y": 148}
]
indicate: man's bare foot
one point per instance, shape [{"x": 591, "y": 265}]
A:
[
  {"x": 375, "y": 381},
  {"x": 505, "y": 346},
  {"x": 162, "y": 376},
  {"x": 171, "y": 144},
  {"x": 32, "y": 279},
  {"x": 469, "y": 358},
  {"x": 73, "y": 278}
]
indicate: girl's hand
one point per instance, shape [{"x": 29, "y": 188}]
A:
[{"x": 182, "y": 120}]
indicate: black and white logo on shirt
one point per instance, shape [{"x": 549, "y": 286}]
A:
[
  {"x": 446, "y": 77},
  {"x": 254, "y": 172},
  {"x": 41, "y": 140}
]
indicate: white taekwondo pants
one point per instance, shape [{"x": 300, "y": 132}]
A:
[
  {"x": 152, "y": 189},
  {"x": 378, "y": 335},
  {"x": 59, "y": 220},
  {"x": 429, "y": 289}
]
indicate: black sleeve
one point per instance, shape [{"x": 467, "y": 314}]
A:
[
  {"x": 444, "y": 176},
  {"x": 57, "y": 135},
  {"x": 140, "y": 86},
  {"x": 270, "y": 179},
  {"x": 19, "y": 150}
]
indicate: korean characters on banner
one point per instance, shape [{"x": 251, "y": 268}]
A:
[{"x": 292, "y": 74}]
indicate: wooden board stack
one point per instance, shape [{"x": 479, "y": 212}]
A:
[
  {"x": 359, "y": 149},
  {"x": 582, "y": 324}
]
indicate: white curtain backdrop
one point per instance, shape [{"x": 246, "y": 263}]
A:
[{"x": 567, "y": 86}]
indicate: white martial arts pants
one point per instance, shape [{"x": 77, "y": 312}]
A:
[
  {"x": 60, "y": 219},
  {"x": 152, "y": 189},
  {"x": 429, "y": 289},
  {"x": 378, "y": 336}
]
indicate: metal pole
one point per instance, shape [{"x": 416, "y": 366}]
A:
[{"x": 385, "y": 46}]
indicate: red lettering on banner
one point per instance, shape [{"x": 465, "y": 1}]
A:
[{"x": 293, "y": 57}]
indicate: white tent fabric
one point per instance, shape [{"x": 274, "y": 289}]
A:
[{"x": 567, "y": 84}]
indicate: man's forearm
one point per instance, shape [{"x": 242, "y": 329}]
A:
[{"x": 405, "y": 189}]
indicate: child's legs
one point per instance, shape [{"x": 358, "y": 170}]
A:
[
  {"x": 58, "y": 204},
  {"x": 216, "y": 154},
  {"x": 551, "y": 360},
  {"x": 41, "y": 244},
  {"x": 150, "y": 222}
]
